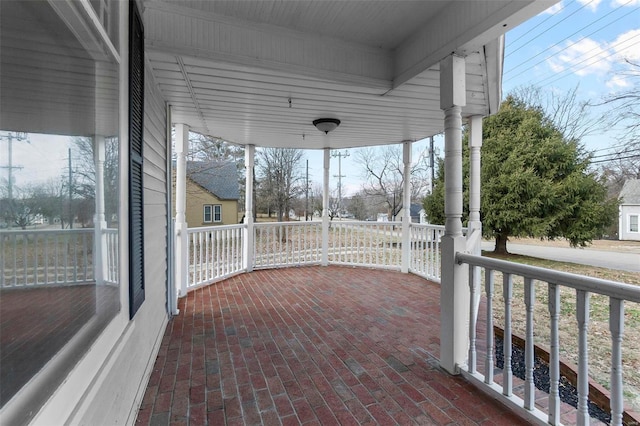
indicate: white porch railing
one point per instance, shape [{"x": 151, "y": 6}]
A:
[
  {"x": 425, "y": 250},
  {"x": 368, "y": 244},
  {"x": 46, "y": 257},
  {"x": 112, "y": 268},
  {"x": 618, "y": 294},
  {"x": 215, "y": 252},
  {"x": 280, "y": 244}
]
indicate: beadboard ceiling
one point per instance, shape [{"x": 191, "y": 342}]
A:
[{"x": 259, "y": 72}]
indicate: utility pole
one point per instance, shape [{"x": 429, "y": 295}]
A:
[
  {"x": 339, "y": 176},
  {"x": 9, "y": 137},
  {"x": 306, "y": 196},
  {"x": 431, "y": 164},
  {"x": 70, "y": 192}
]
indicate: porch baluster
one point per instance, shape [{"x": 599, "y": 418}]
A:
[
  {"x": 471, "y": 367},
  {"x": 529, "y": 386},
  {"x": 554, "y": 356},
  {"x": 507, "y": 373},
  {"x": 616, "y": 326},
  {"x": 582, "y": 314},
  {"x": 488, "y": 363}
]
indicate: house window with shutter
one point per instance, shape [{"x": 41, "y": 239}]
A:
[{"x": 136, "y": 156}]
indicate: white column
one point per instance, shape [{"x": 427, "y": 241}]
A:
[
  {"x": 475, "y": 143},
  {"x": 182, "y": 241},
  {"x": 454, "y": 289},
  {"x": 99, "y": 221},
  {"x": 406, "y": 207},
  {"x": 325, "y": 205},
  {"x": 249, "y": 157}
]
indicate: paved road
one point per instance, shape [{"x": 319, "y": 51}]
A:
[{"x": 605, "y": 259}]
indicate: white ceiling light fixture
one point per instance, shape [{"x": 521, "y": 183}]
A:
[{"x": 326, "y": 125}]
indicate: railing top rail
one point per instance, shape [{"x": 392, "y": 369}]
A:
[
  {"x": 47, "y": 231},
  {"x": 580, "y": 282},
  {"x": 215, "y": 228},
  {"x": 366, "y": 222},
  {"x": 291, "y": 223},
  {"x": 427, "y": 225}
]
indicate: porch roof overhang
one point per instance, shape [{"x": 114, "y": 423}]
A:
[{"x": 259, "y": 72}]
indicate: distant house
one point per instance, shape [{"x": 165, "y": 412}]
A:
[
  {"x": 212, "y": 194},
  {"x": 629, "y": 227},
  {"x": 418, "y": 214}
]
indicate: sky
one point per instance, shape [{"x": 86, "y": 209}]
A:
[{"x": 576, "y": 43}]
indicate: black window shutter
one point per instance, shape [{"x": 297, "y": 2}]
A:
[{"x": 136, "y": 143}]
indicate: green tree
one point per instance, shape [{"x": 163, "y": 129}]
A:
[{"x": 535, "y": 182}]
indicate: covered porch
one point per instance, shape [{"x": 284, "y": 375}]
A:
[{"x": 315, "y": 345}]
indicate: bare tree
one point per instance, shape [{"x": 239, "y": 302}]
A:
[
  {"x": 211, "y": 150},
  {"x": 572, "y": 117},
  {"x": 383, "y": 171},
  {"x": 623, "y": 161},
  {"x": 280, "y": 177}
]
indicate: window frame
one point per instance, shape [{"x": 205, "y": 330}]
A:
[
  {"x": 204, "y": 213},
  {"x": 637, "y": 223},
  {"x": 217, "y": 213}
]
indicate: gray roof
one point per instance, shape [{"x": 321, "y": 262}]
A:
[
  {"x": 219, "y": 178},
  {"x": 630, "y": 193}
]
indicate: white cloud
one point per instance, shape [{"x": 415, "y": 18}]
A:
[
  {"x": 618, "y": 82},
  {"x": 616, "y": 3},
  {"x": 627, "y": 45},
  {"x": 555, "y": 9},
  {"x": 584, "y": 57},
  {"x": 592, "y": 4}
]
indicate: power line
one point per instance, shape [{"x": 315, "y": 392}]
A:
[
  {"x": 551, "y": 16},
  {"x": 569, "y": 36},
  {"x": 615, "y": 159},
  {"x": 613, "y": 154},
  {"x": 572, "y": 69}
]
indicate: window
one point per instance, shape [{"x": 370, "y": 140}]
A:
[
  {"x": 212, "y": 213},
  {"x": 633, "y": 223},
  {"x": 59, "y": 210}
]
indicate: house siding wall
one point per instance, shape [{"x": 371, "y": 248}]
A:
[
  {"x": 126, "y": 374},
  {"x": 625, "y": 212},
  {"x": 198, "y": 197}
]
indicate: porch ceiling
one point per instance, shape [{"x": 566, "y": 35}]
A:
[{"x": 259, "y": 72}]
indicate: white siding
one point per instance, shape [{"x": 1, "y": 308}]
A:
[
  {"x": 120, "y": 393},
  {"x": 625, "y": 212}
]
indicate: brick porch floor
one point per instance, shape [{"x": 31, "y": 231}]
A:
[{"x": 312, "y": 345}]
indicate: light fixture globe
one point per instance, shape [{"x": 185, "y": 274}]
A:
[{"x": 326, "y": 124}]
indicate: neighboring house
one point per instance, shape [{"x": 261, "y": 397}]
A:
[
  {"x": 629, "y": 224},
  {"x": 418, "y": 214},
  {"x": 212, "y": 193}
]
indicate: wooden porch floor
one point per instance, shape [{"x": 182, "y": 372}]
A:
[{"x": 312, "y": 345}]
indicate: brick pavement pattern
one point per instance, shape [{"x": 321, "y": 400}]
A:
[{"x": 313, "y": 346}]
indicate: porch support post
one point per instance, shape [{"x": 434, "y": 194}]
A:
[
  {"x": 249, "y": 157},
  {"x": 99, "y": 220},
  {"x": 454, "y": 289},
  {"x": 406, "y": 207},
  {"x": 475, "y": 242},
  {"x": 182, "y": 240},
  {"x": 475, "y": 143},
  {"x": 325, "y": 207}
]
